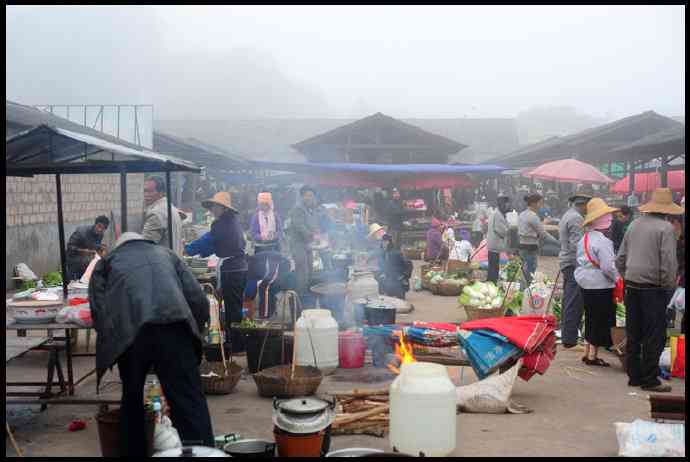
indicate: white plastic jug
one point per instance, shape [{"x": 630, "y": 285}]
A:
[
  {"x": 324, "y": 337},
  {"x": 512, "y": 218},
  {"x": 422, "y": 410}
]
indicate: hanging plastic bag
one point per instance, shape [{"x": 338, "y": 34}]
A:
[
  {"x": 678, "y": 300},
  {"x": 650, "y": 439},
  {"x": 678, "y": 369},
  {"x": 665, "y": 358}
]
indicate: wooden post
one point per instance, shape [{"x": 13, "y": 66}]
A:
[{"x": 631, "y": 177}]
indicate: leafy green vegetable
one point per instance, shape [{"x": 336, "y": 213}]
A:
[
  {"x": 248, "y": 324},
  {"x": 53, "y": 279},
  {"x": 26, "y": 285}
]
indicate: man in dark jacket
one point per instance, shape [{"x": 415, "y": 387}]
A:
[
  {"x": 83, "y": 244},
  {"x": 396, "y": 271},
  {"x": 396, "y": 215},
  {"x": 148, "y": 310},
  {"x": 621, "y": 220}
]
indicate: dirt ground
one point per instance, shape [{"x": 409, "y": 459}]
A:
[{"x": 574, "y": 411}]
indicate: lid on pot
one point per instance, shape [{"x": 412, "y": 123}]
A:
[
  {"x": 303, "y": 406},
  {"x": 379, "y": 304},
  {"x": 303, "y": 415},
  {"x": 191, "y": 451},
  {"x": 353, "y": 452}
]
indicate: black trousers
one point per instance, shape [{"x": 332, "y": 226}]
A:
[
  {"x": 645, "y": 328},
  {"x": 233, "y": 285},
  {"x": 171, "y": 350},
  {"x": 494, "y": 266}
]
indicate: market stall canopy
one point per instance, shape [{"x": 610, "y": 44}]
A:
[
  {"x": 404, "y": 176},
  {"x": 213, "y": 158},
  {"x": 382, "y": 169},
  {"x": 649, "y": 181},
  {"x": 669, "y": 142},
  {"x": 568, "y": 171},
  {"x": 596, "y": 144},
  {"x": 48, "y": 150}
]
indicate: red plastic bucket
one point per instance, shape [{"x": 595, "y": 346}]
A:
[{"x": 351, "y": 349}]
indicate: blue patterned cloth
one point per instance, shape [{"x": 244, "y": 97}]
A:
[{"x": 486, "y": 350}]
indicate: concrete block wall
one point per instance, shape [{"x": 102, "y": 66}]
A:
[{"x": 31, "y": 232}]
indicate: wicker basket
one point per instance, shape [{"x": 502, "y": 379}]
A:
[
  {"x": 449, "y": 290},
  {"x": 413, "y": 253},
  {"x": 275, "y": 381},
  {"x": 483, "y": 313},
  {"x": 224, "y": 381},
  {"x": 618, "y": 338}
]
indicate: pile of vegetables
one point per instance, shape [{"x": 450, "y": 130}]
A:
[
  {"x": 459, "y": 278},
  {"x": 481, "y": 295},
  {"x": 514, "y": 303},
  {"x": 510, "y": 271},
  {"x": 52, "y": 279}
]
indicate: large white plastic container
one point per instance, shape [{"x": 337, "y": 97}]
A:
[
  {"x": 324, "y": 336},
  {"x": 360, "y": 286},
  {"x": 422, "y": 410}
]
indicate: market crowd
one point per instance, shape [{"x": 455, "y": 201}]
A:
[{"x": 150, "y": 312}]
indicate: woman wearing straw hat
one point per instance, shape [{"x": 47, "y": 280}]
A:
[
  {"x": 596, "y": 274},
  {"x": 648, "y": 263},
  {"x": 226, "y": 240}
]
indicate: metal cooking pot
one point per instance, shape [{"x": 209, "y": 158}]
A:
[
  {"x": 379, "y": 311},
  {"x": 303, "y": 415},
  {"x": 254, "y": 449},
  {"x": 192, "y": 451}
]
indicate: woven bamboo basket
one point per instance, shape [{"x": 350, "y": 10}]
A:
[
  {"x": 618, "y": 338},
  {"x": 276, "y": 382},
  {"x": 449, "y": 290},
  {"x": 225, "y": 380},
  {"x": 483, "y": 313},
  {"x": 426, "y": 280}
]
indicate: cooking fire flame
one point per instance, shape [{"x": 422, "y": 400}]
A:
[{"x": 403, "y": 351}]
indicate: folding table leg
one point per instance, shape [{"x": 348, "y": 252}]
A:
[
  {"x": 49, "y": 381},
  {"x": 61, "y": 376},
  {"x": 68, "y": 353}
]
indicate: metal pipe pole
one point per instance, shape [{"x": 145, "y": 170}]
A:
[
  {"x": 168, "y": 193},
  {"x": 631, "y": 178},
  {"x": 663, "y": 172},
  {"x": 123, "y": 199},
  {"x": 61, "y": 234}
]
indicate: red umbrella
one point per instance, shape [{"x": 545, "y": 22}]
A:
[
  {"x": 648, "y": 182},
  {"x": 569, "y": 171}
]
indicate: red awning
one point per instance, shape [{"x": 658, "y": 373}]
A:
[
  {"x": 436, "y": 181},
  {"x": 648, "y": 182}
]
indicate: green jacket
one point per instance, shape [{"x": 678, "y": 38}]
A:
[{"x": 304, "y": 223}]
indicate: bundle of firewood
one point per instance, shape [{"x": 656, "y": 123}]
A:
[{"x": 361, "y": 412}]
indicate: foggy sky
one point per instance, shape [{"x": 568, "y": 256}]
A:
[{"x": 211, "y": 62}]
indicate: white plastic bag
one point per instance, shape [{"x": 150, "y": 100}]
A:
[
  {"x": 491, "y": 395},
  {"x": 23, "y": 271},
  {"x": 650, "y": 439},
  {"x": 534, "y": 300},
  {"x": 678, "y": 300},
  {"x": 665, "y": 358},
  {"x": 166, "y": 436}
]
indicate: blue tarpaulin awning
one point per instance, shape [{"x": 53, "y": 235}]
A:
[{"x": 384, "y": 169}]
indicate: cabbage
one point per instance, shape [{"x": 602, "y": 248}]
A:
[
  {"x": 493, "y": 290},
  {"x": 464, "y": 299},
  {"x": 469, "y": 290}
]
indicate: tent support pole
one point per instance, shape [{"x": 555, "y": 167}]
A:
[
  {"x": 631, "y": 176},
  {"x": 123, "y": 199},
  {"x": 168, "y": 193},
  {"x": 663, "y": 172},
  {"x": 61, "y": 234}
]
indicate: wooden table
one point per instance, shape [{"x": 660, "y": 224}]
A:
[
  {"x": 17, "y": 346},
  {"x": 55, "y": 342}
]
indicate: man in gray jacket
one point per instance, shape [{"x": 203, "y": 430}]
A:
[
  {"x": 648, "y": 263},
  {"x": 155, "y": 225},
  {"x": 497, "y": 236},
  {"x": 149, "y": 311},
  {"x": 570, "y": 233}
]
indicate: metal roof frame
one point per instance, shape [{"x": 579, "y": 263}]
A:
[{"x": 48, "y": 149}]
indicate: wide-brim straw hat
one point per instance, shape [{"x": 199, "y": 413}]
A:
[
  {"x": 374, "y": 228},
  {"x": 662, "y": 202},
  {"x": 597, "y": 208},
  {"x": 221, "y": 198}
]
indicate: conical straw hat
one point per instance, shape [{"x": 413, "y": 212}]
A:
[
  {"x": 597, "y": 207},
  {"x": 221, "y": 198},
  {"x": 662, "y": 202}
]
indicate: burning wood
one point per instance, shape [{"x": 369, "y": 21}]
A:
[
  {"x": 403, "y": 354},
  {"x": 361, "y": 412}
]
